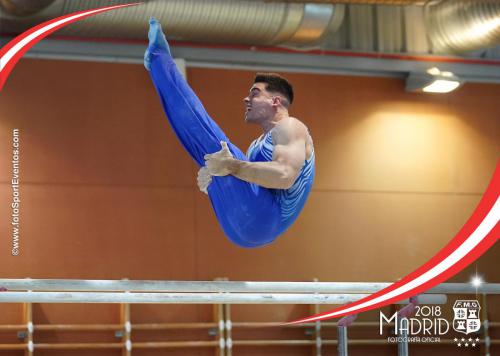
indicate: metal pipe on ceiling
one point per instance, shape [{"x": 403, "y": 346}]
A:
[
  {"x": 361, "y": 2},
  {"x": 451, "y": 25},
  {"x": 217, "y": 21},
  {"x": 24, "y": 7},
  {"x": 463, "y": 25}
]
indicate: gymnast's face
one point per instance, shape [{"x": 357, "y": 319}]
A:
[{"x": 260, "y": 104}]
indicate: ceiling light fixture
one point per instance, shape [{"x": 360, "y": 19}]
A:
[{"x": 432, "y": 81}]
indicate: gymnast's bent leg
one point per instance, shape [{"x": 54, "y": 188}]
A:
[{"x": 248, "y": 214}]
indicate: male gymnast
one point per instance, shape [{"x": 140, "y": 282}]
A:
[{"x": 257, "y": 196}]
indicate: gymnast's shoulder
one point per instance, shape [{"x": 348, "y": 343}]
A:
[{"x": 291, "y": 126}]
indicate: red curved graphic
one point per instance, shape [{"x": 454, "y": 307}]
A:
[
  {"x": 478, "y": 234},
  {"x": 15, "y": 49}
]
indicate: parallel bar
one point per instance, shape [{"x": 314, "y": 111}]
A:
[
  {"x": 227, "y": 286},
  {"x": 176, "y": 298},
  {"x": 193, "y": 298},
  {"x": 188, "y": 286}
]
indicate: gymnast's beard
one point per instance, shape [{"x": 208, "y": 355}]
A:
[
  {"x": 255, "y": 116},
  {"x": 249, "y": 118}
]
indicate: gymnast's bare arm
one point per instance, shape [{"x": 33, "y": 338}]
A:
[{"x": 290, "y": 138}]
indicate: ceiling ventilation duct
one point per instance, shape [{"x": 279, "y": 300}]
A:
[
  {"x": 24, "y": 7},
  {"x": 216, "y": 21},
  {"x": 366, "y": 2},
  {"x": 463, "y": 25}
]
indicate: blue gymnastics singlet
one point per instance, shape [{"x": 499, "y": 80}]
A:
[{"x": 291, "y": 200}]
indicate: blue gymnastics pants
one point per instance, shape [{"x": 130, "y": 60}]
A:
[{"x": 248, "y": 213}]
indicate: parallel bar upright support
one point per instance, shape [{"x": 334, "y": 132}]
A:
[
  {"x": 402, "y": 337},
  {"x": 316, "y": 334},
  {"x": 342, "y": 340},
  {"x": 486, "y": 326},
  {"x": 220, "y": 330},
  {"x": 229, "y": 330},
  {"x": 127, "y": 329},
  {"x": 28, "y": 320}
]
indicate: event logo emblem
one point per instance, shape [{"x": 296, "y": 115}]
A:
[
  {"x": 428, "y": 326},
  {"x": 466, "y": 318}
]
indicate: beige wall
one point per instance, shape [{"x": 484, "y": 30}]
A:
[{"x": 107, "y": 191}]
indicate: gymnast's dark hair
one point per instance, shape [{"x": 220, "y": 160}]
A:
[{"x": 276, "y": 83}]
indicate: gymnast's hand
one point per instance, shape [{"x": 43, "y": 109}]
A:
[
  {"x": 204, "y": 179},
  {"x": 219, "y": 163}
]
